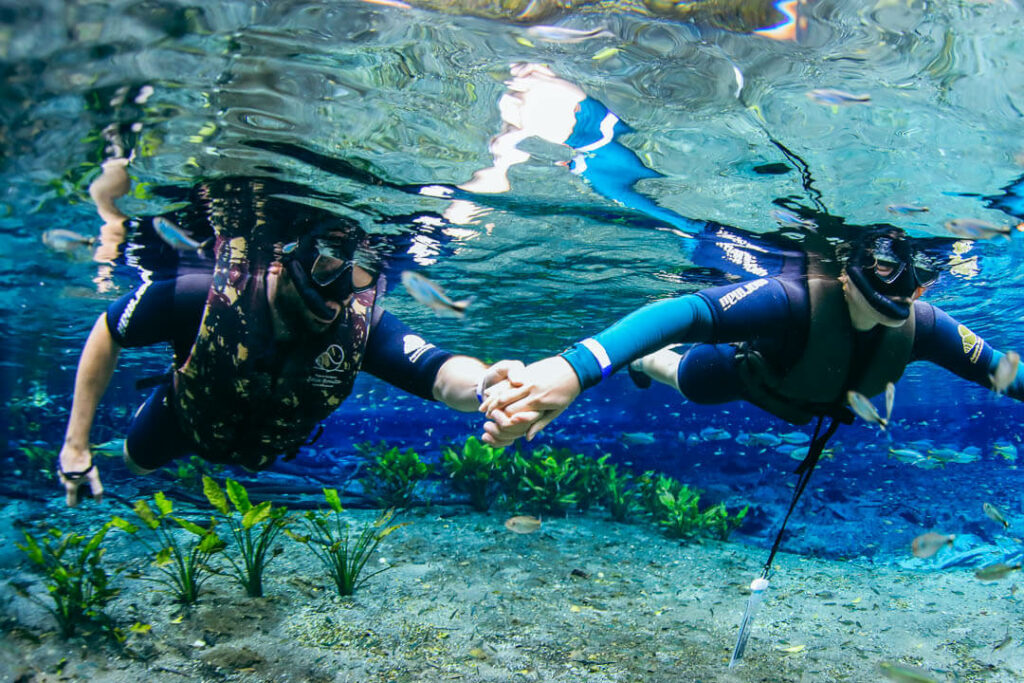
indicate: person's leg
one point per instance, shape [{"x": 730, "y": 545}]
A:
[
  {"x": 154, "y": 437},
  {"x": 707, "y": 374},
  {"x": 661, "y": 366}
]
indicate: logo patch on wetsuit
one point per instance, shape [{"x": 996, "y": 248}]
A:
[
  {"x": 414, "y": 346},
  {"x": 735, "y": 296},
  {"x": 327, "y": 367},
  {"x": 972, "y": 343}
]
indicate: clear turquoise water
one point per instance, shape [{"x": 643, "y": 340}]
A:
[{"x": 414, "y": 98}]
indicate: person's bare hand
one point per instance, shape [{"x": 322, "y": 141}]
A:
[
  {"x": 76, "y": 469},
  {"x": 543, "y": 390}
]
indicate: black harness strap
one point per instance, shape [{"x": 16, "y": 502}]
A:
[{"x": 805, "y": 469}]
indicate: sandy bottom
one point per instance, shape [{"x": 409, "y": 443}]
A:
[{"x": 583, "y": 599}]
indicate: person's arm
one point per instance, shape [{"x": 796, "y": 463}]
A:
[
  {"x": 940, "y": 339},
  {"x": 549, "y": 386},
  {"x": 402, "y": 358},
  {"x": 95, "y": 368}
]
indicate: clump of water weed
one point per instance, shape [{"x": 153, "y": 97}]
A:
[
  {"x": 183, "y": 566},
  {"x": 475, "y": 470},
  {"x": 254, "y": 529},
  {"x": 76, "y": 580},
  {"x": 392, "y": 474},
  {"x": 342, "y": 552}
]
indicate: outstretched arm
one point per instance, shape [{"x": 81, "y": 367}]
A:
[
  {"x": 942, "y": 340},
  {"x": 550, "y": 385},
  {"x": 95, "y": 367}
]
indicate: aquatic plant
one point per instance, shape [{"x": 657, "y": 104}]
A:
[
  {"x": 184, "y": 566},
  {"x": 343, "y": 554},
  {"x": 619, "y": 495},
  {"x": 549, "y": 480},
  {"x": 74, "y": 576},
  {"x": 589, "y": 484},
  {"x": 392, "y": 474},
  {"x": 189, "y": 473},
  {"x": 253, "y": 527},
  {"x": 474, "y": 470},
  {"x": 680, "y": 515},
  {"x": 40, "y": 461}
]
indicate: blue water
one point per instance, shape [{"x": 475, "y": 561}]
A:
[{"x": 369, "y": 106}]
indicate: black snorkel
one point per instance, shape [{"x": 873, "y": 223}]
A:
[{"x": 888, "y": 283}]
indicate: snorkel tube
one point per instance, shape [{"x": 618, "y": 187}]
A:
[{"x": 890, "y": 297}]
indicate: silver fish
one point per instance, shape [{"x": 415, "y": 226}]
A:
[
  {"x": 836, "y": 97},
  {"x": 905, "y": 209},
  {"x": 560, "y": 34},
  {"x": 864, "y": 409},
  {"x": 67, "y": 241},
  {"x": 890, "y": 398},
  {"x": 637, "y": 438},
  {"x": 174, "y": 236},
  {"x": 788, "y": 219},
  {"x": 431, "y": 295},
  {"x": 995, "y": 514},
  {"x": 975, "y": 229},
  {"x": 1006, "y": 372}
]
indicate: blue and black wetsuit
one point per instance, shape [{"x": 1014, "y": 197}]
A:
[
  {"x": 772, "y": 316},
  {"x": 171, "y": 310}
]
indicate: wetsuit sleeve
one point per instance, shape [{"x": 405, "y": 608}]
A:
[
  {"x": 402, "y": 358},
  {"x": 746, "y": 311},
  {"x": 940, "y": 339},
  {"x": 161, "y": 311}
]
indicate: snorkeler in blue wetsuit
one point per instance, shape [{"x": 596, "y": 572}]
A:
[
  {"x": 265, "y": 347},
  {"x": 793, "y": 346}
]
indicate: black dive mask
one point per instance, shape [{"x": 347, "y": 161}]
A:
[
  {"x": 886, "y": 271},
  {"x": 321, "y": 269}
]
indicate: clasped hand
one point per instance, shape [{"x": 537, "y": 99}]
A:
[{"x": 528, "y": 399}]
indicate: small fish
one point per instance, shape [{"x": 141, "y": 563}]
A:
[
  {"x": 1006, "y": 451},
  {"x": 995, "y": 514},
  {"x": 796, "y": 438},
  {"x": 714, "y": 434},
  {"x": 1006, "y": 372},
  {"x": 788, "y": 219},
  {"x": 866, "y": 410},
  {"x": 836, "y": 97},
  {"x": 905, "y": 674},
  {"x": 175, "y": 237},
  {"x": 432, "y": 296},
  {"x": 928, "y": 544},
  {"x": 974, "y": 229},
  {"x": 522, "y": 524},
  {"x": 560, "y": 34},
  {"x": 637, "y": 438},
  {"x": 996, "y": 571},
  {"x": 890, "y": 399},
  {"x": 66, "y": 241},
  {"x": 1003, "y": 643},
  {"x": 906, "y": 209}
]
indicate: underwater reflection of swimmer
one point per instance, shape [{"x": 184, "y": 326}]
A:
[
  {"x": 265, "y": 347},
  {"x": 539, "y": 104}
]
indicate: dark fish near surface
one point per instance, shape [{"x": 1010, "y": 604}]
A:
[
  {"x": 431, "y": 295},
  {"x": 905, "y": 209},
  {"x": 836, "y": 97},
  {"x": 975, "y": 229}
]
